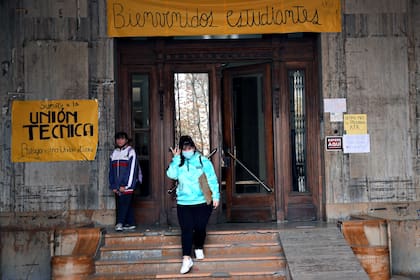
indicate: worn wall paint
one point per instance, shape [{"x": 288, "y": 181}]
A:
[
  {"x": 56, "y": 8},
  {"x": 370, "y": 64},
  {"x": 386, "y": 210},
  {"x": 374, "y": 6},
  {"x": 377, "y": 77},
  {"x": 25, "y": 255},
  {"x": 405, "y": 248},
  {"x": 375, "y": 56},
  {"x": 52, "y": 49},
  {"x": 56, "y": 50},
  {"x": 56, "y": 70},
  {"x": 356, "y": 65}
]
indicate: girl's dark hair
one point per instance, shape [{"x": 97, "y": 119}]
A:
[
  {"x": 121, "y": 134},
  {"x": 185, "y": 140}
]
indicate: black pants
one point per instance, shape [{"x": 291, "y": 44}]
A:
[
  {"x": 125, "y": 211},
  {"x": 193, "y": 221}
]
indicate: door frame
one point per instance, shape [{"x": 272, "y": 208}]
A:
[
  {"x": 238, "y": 205},
  {"x": 214, "y": 118},
  {"x": 162, "y": 56},
  {"x": 309, "y": 206}
]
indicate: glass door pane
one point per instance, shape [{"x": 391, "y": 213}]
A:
[
  {"x": 191, "y": 93},
  {"x": 297, "y": 129},
  {"x": 141, "y": 127},
  {"x": 249, "y": 132}
]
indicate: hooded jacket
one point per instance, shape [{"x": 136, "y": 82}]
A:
[
  {"x": 188, "y": 190},
  {"x": 122, "y": 169}
]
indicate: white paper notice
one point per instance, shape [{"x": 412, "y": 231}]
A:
[
  {"x": 336, "y": 117},
  {"x": 335, "y": 105},
  {"x": 356, "y": 143}
]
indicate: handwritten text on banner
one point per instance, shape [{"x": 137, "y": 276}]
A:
[
  {"x": 128, "y": 18},
  {"x": 54, "y": 130}
]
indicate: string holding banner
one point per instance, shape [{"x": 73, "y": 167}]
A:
[{"x": 212, "y": 17}]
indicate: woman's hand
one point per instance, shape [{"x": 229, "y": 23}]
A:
[
  {"x": 215, "y": 204},
  {"x": 175, "y": 151}
]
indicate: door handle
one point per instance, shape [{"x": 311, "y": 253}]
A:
[{"x": 267, "y": 188}]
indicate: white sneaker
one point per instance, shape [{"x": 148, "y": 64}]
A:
[
  {"x": 119, "y": 227},
  {"x": 186, "y": 265},
  {"x": 199, "y": 254}
]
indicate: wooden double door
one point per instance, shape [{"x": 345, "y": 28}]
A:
[{"x": 254, "y": 103}]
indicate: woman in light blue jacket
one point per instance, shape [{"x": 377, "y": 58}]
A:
[{"x": 187, "y": 166}]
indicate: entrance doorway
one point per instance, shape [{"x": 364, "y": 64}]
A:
[{"x": 253, "y": 102}]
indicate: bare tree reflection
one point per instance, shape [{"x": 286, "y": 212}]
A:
[{"x": 192, "y": 108}]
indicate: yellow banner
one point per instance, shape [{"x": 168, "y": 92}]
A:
[
  {"x": 135, "y": 18},
  {"x": 54, "y": 130}
]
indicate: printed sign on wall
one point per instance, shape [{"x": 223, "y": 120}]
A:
[
  {"x": 355, "y": 123},
  {"x": 334, "y": 143},
  {"x": 356, "y": 143},
  {"x": 54, "y": 130}
]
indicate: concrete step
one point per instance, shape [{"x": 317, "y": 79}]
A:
[
  {"x": 171, "y": 265},
  {"x": 251, "y": 254},
  {"x": 193, "y": 274},
  {"x": 289, "y": 253},
  {"x": 173, "y": 237},
  {"x": 138, "y": 252}
]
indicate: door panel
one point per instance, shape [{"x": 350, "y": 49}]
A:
[
  {"x": 247, "y": 134},
  {"x": 301, "y": 133},
  {"x": 191, "y": 115},
  {"x": 137, "y": 111}
]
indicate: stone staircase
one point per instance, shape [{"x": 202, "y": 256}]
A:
[{"x": 230, "y": 254}]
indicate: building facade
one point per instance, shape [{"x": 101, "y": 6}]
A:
[{"x": 303, "y": 125}]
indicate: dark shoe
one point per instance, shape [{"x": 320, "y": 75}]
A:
[{"x": 129, "y": 227}]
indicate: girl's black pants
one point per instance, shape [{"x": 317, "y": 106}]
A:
[{"x": 193, "y": 221}]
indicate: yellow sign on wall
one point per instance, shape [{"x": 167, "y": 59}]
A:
[
  {"x": 54, "y": 130},
  {"x": 128, "y": 18},
  {"x": 355, "y": 123}
]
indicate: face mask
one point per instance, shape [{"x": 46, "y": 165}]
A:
[{"x": 188, "y": 154}]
